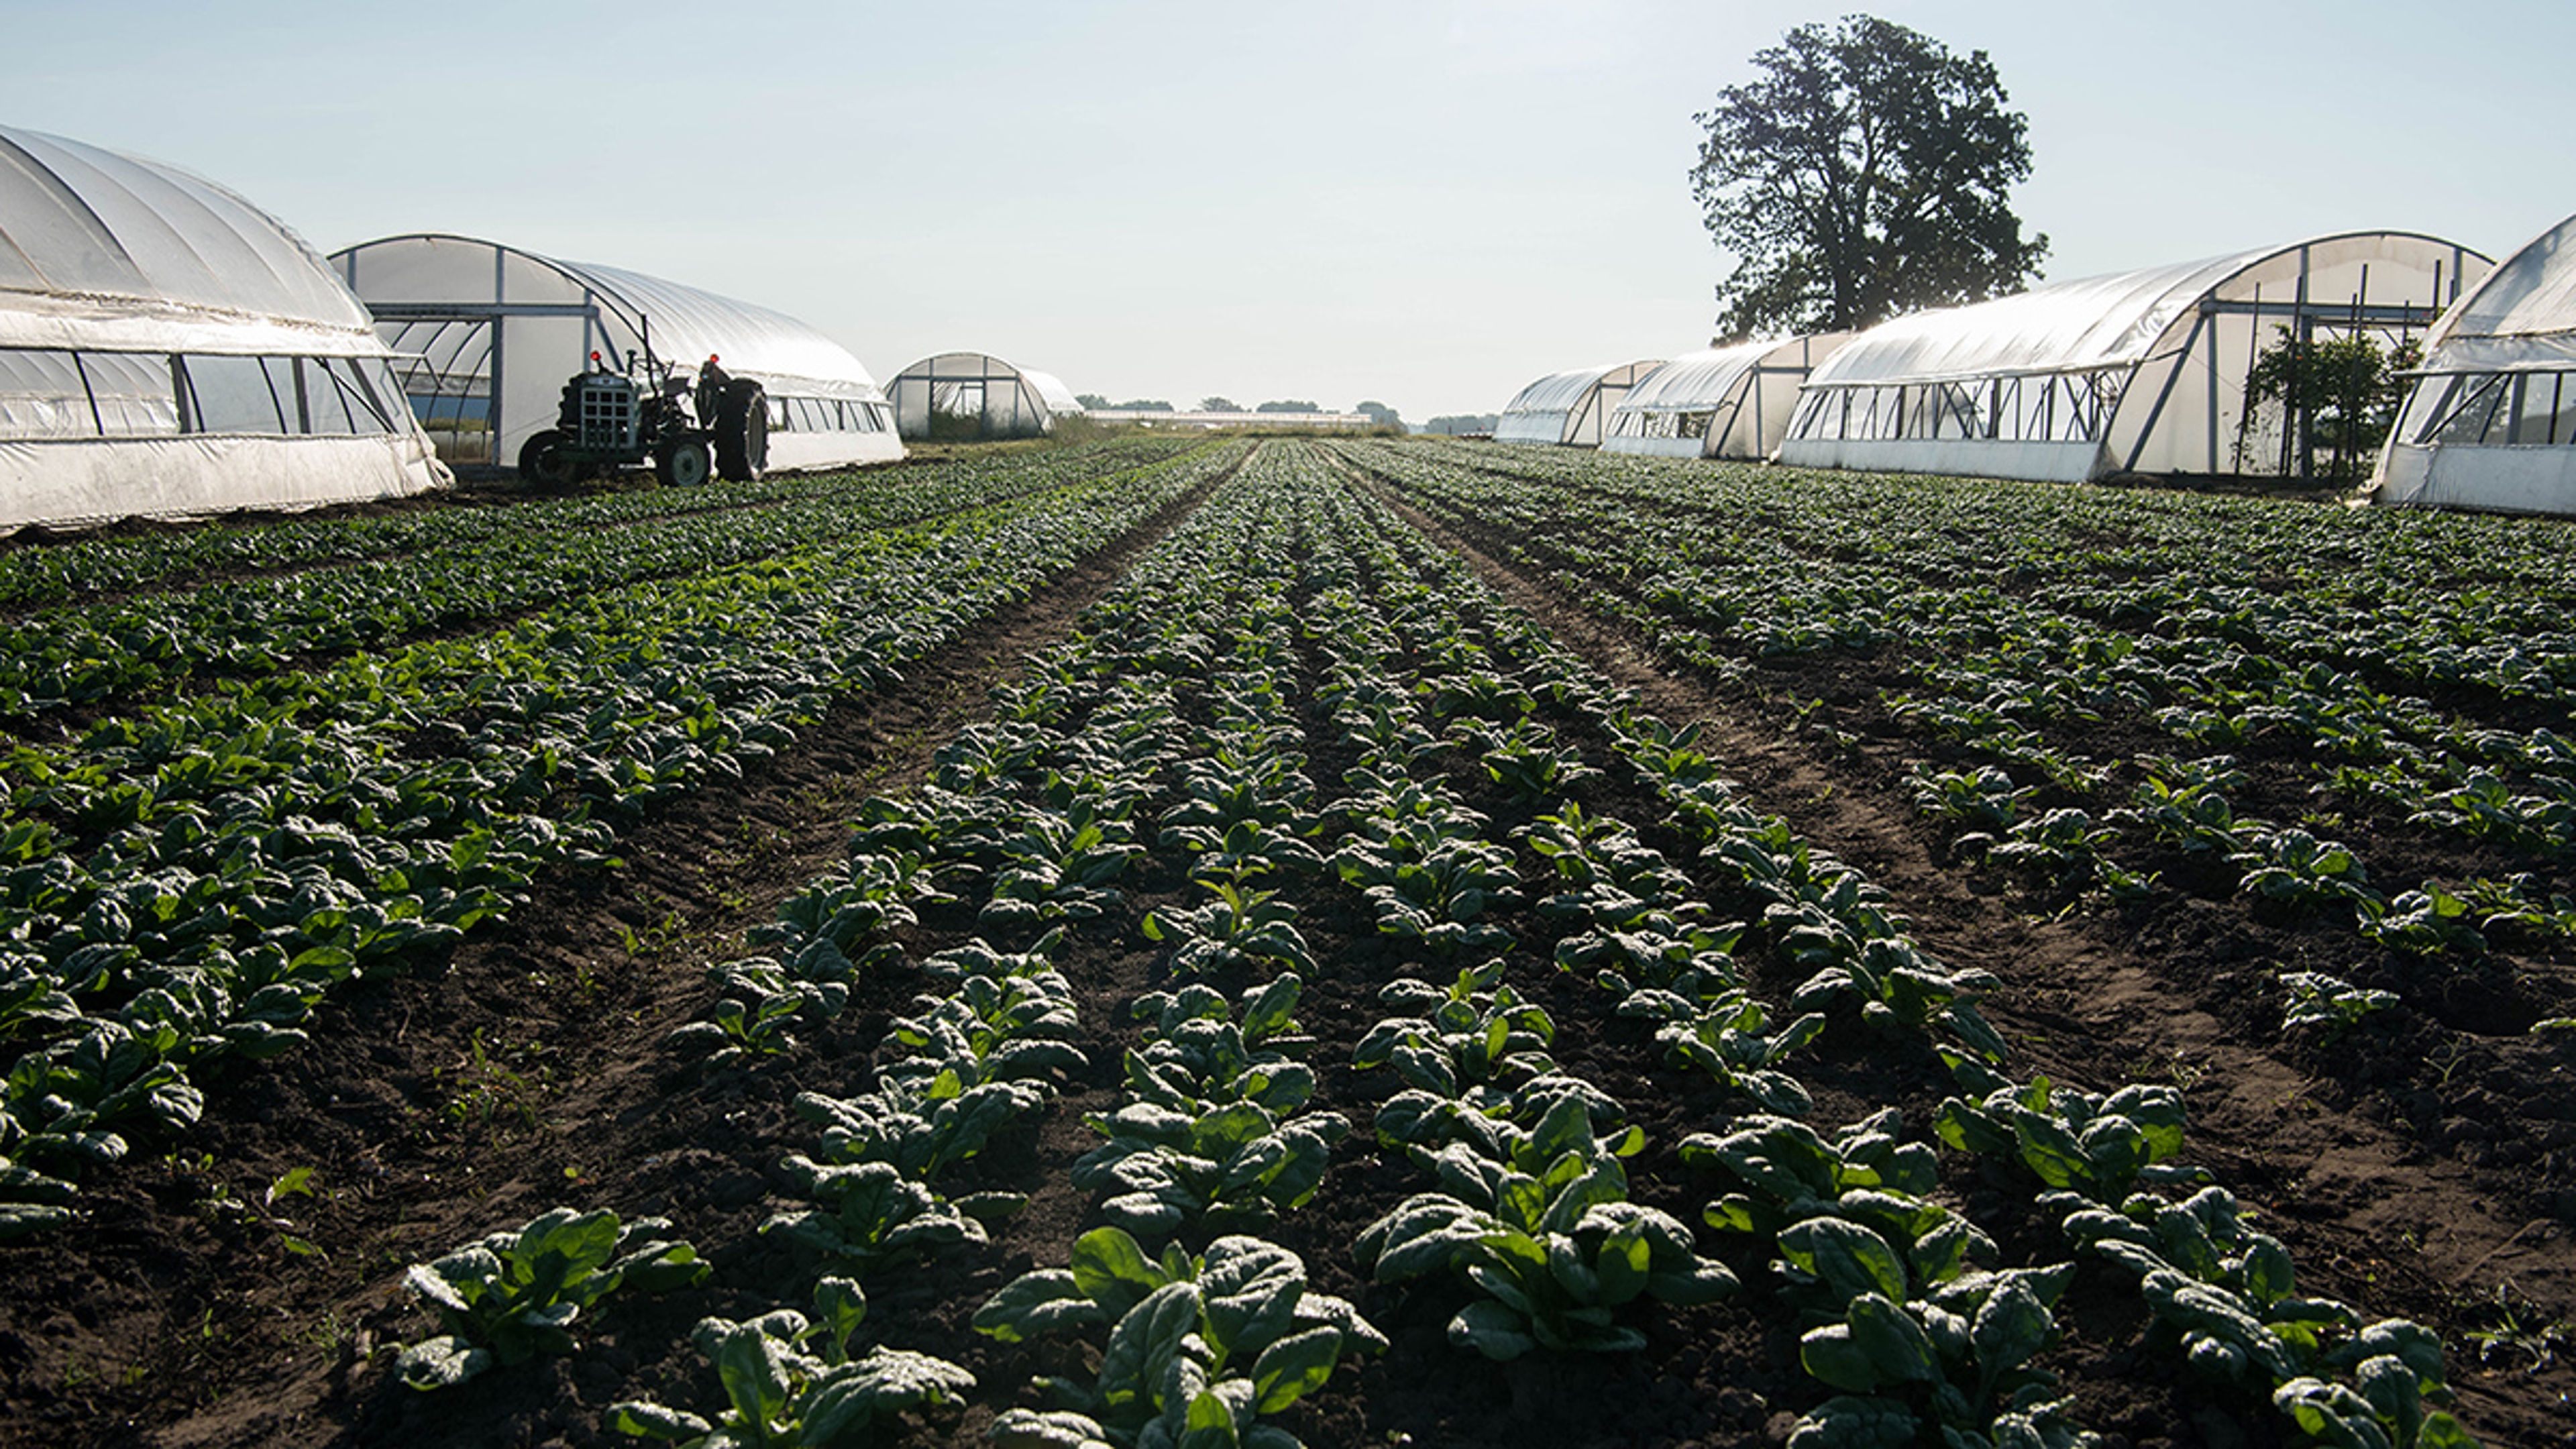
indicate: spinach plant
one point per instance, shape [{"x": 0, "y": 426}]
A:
[
  {"x": 792, "y": 1383},
  {"x": 515, "y": 1294},
  {"x": 1549, "y": 1237},
  {"x": 1198, "y": 1349}
]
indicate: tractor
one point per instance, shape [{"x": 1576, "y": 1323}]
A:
[{"x": 613, "y": 420}]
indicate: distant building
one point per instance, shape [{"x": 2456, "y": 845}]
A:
[
  {"x": 974, "y": 396},
  {"x": 1156, "y": 418}
]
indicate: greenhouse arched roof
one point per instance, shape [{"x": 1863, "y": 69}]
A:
[
  {"x": 2491, "y": 419},
  {"x": 1722, "y": 402},
  {"x": 684, "y": 324},
  {"x": 1696, "y": 379},
  {"x": 2134, "y": 371},
  {"x": 2056, "y": 327},
  {"x": 2522, "y": 316},
  {"x": 103, "y": 250},
  {"x": 1566, "y": 407}
]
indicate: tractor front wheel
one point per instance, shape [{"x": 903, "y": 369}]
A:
[{"x": 683, "y": 464}]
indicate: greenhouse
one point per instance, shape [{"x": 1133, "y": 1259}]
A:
[
  {"x": 1572, "y": 408},
  {"x": 1726, "y": 402},
  {"x": 167, "y": 348},
  {"x": 970, "y": 396},
  {"x": 2154, "y": 371},
  {"x": 2491, "y": 419},
  {"x": 490, "y": 335}
]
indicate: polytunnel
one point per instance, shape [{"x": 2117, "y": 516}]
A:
[
  {"x": 2137, "y": 372},
  {"x": 166, "y": 347},
  {"x": 2490, "y": 421},
  {"x": 1572, "y": 408},
  {"x": 1725, "y": 402},
  {"x": 491, "y": 334},
  {"x": 961, "y": 396}
]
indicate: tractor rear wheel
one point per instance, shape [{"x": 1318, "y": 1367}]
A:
[
  {"x": 541, "y": 460},
  {"x": 742, "y": 431},
  {"x": 684, "y": 464}
]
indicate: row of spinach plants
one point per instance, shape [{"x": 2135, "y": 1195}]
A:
[
  {"x": 187, "y": 882},
  {"x": 1030, "y": 821},
  {"x": 44, "y": 569},
  {"x": 496, "y": 564}
]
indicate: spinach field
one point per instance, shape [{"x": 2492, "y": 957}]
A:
[{"x": 1177, "y": 943}]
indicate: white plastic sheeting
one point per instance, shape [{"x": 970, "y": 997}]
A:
[
  {"x": 1727, "y": 402},
  {"x": 168, "y": 348},
  {"x": 1004, "y": 401},
  {"x": 2135, "y": 372},
  {"x": 1572, "y": 408},
  {"x": 2491, "y": 422},
  {"x": 496, "y": 332}
]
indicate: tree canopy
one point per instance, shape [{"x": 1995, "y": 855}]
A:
[{"x": 1862, "y": 176}]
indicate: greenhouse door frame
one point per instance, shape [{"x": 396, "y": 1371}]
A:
[
  {"x": 2303, "y": 317},
  {"x": 495, "y": 315}
]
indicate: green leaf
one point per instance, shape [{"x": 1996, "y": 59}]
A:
[
  {"x": 1113, "y": 1271},
  {"x": 840, "y": 1306},
  {"x": 1048, "y": 1300},
  {"x": 1293, "y": 1367},
  {"x": 1845, "y": 1422},
  {"x": 1624, "y": 1262},
  {"x": 887, "y": 1381},
  {"x": 442, "y": 1362},
  {"x": 1208, "y": 1424},
  {"x": 2331, "y": 1413},
  {"x": 1144, "y": 1342},
  {"x": 1493, "y": 1330},
  {"x": 1880, "y": 1345},
  {"x": 755, "y": 1375},
  {"x": 2010, "y": 1327},
  {"x": 2441, "y": 1431},
  {"x": 1028, "y": 1429},
  {"x": 1847, "y": 1259},
  {"x": 1249, "y": 1290},
  {"x": 652, "y": 1421},
  {"x": 2051, "y": 1152}
]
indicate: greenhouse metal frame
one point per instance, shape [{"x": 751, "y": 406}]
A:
[
  {"x": 1570, "y": 408},
  {"x": 2490, "y": 421},
  {"x": 168, "y": 348},
  {"x": 975, "y": 396},
  {"x": 491, "y": 333},
  {"x": 2136, "y": 372},
  {"x": 1726, "y": 402}
]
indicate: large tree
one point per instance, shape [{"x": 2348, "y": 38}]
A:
[{"x": 1863, "y": 175}]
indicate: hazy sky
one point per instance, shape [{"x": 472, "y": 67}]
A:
[{"x": 1426, "y": 204}]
